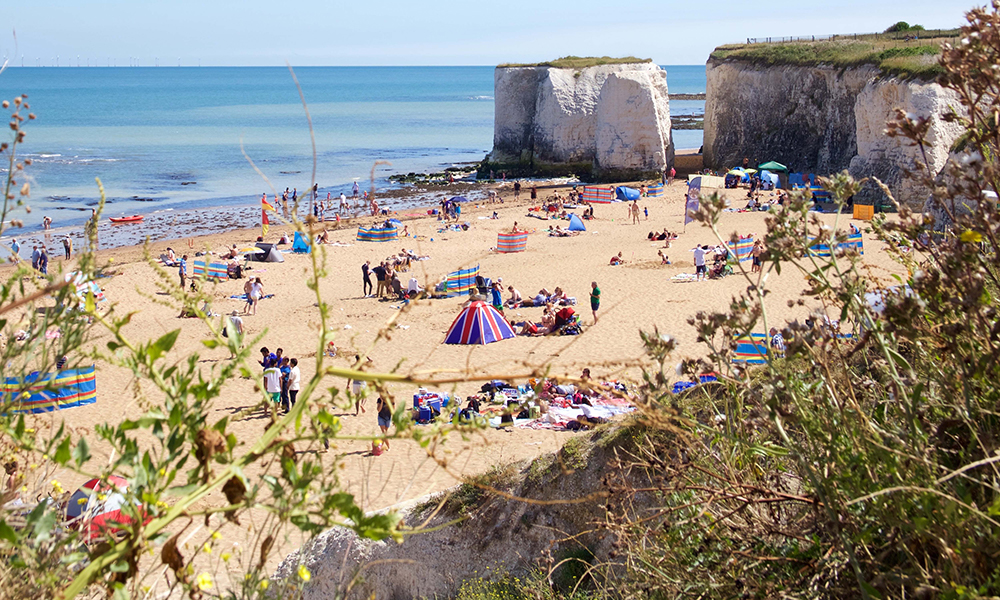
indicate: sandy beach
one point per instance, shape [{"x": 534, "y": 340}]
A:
[{"x": 639, "y": 295}]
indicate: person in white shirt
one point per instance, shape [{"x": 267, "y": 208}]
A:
[
  {"x": 413, "y": 287},
  {"x": 272, "y": 383},
  {"x": 699, "y": 261},
  {"x": 234, "y": 330},
  {"x": 294, "y": 382}
]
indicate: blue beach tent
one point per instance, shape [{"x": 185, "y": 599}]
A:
[
  {"x": 575, "y": 224},
  {"x": 626, "y": 193},
  {"x": 300, "y": 245}
]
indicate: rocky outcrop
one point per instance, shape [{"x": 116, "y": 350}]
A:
[
  {"x": 606, "y": 120},
  {"x": 823, "y": 120}
]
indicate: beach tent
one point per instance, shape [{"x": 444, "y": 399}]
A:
[
  {"x": 626, "y": 193},
  {"x": 96, "y": 507},
  {"x": 39, "y": 393},
  {"x": 512, "y": 242},
  {"x": 479, "y": 323},
  {"x": 461, "y": 282},
  {"x": 853, "y": 242},
  {"x": 655, "y": 191},
  {"x": 377, "y": 235},
  {"x": 707, "y": 181},
  {"x": 575, "y": 223},
  {"x": 773, "y": 166},
  {"x": 261, "y": 256},
  {"x": 769, "y": 177},
  {"x": 301, "y": 245},
  {"x": 274, "y": 255},
  {"x": 218, "y": 271},
  {"x": 598, "y": 194}
]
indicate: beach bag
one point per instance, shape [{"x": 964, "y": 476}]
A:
[{"x": 570, "y": 329}]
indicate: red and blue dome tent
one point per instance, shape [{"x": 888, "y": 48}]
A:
[{"x": 479, "y": 323}]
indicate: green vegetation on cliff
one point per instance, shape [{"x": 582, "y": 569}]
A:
[
  {"x": 580, "y": 62},
  {"x": 893, "y": 56}
]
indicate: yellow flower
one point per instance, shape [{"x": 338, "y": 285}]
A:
[
  {"x": 162, "y": 471},
  {"x": 263, "y": 583},
  {"x": 30, "y": 430},
  {"x": 304, "y": 573},
  {"x": 81, "y": 501},
  {"x": 216, "y": 535},
  {"x": 206, "y": 549},
  {"x": 971, "y": 237},
  {"x": 226, "y": 556},
  {"x": 204, "y": 582},
  {"x": 57, "y": 486}
]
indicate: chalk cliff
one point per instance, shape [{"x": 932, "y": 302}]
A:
[
  {"x": 821, "y": 120},
  {"x": 605, "y": 120}
]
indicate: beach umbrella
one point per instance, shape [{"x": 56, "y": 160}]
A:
[
  {"x": 251, "y": 250},
  {"x": 96, "y": 507},
  {"x": 738, "y": 172},
  {"x": 773, "y": 166},
  {"x": 459, "y": 199},
  {"x": 479, "y": 323},
  {"x": 750, "y": 170}
]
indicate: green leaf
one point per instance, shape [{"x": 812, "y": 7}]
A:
[
  {"x": 182, "y": 490},
  {"x": 162, "y": 345},
  {"x": 62, "y": 454},
  {"x": 210, "y": 343},
  {"x": 43, "y": 520},
  {"x": 7, "y": 533},
  {"x": 81, "y": 453}
]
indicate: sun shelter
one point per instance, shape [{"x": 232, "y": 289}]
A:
[
  {"x": 750, "y": 349},
  {"x": 743, "y": 250},
  {"x": 218, "y": 271},
  {"x": 626, "y": 193},
  {"x": 855, "y": 241},
  {"x": 479, "y": 323},
  {"x": 512, "y": 242},
  {"x": 39, "y": 393},
  {"x": 774, "y": 167},
  {"x": 575, "y": 223},
  {"x": 598, "y": 194},
  {"x": 655, "y": 191},
  {"x": 377, "y": 234},
  {"x": 772, "y": 178},
  {"x": 98, "y": 507},
  {"x": 461, "y": 282},
  {"x": 301, "y": 245}
]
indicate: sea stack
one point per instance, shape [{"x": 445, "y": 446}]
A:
[{"x": 599, "y": 118}]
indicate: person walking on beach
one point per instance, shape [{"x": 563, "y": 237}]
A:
[
  {"x": 234, "y": 331},
  {"x": 384, "y": 409},
  {"x": 182, "y": 270},
  {"x": 366, "y": 283},
  {"x": 256, "y": 293},
  {"x": 517, "y": 189},
  {"x": 68, "y": 247},
  {"x": 15, "y": 248},
  {"x": 355, "y": 190},
  {"x": 595, "y": 299},
  {"x": 673, "y": 173},
  {"x": 247, "y": 290},
  {"x": 699, "y": 262},
  {"x": 46, "y": 223},
  {"x": 43, "y": 261},
  {"x": 34, "y": 257},
  {"x": 635, "y": 212}
]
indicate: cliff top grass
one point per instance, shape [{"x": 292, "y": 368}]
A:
[
  {"x": 915, "y": 58},
  {"x": 580, "y": 62}
]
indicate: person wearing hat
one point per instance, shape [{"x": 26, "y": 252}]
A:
[{"x": 68, "y": 247}]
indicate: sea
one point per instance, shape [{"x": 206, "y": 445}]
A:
[{"x": 166, "y": 139}]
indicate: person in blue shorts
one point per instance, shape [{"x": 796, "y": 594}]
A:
[{"x": 595, "y": 299}]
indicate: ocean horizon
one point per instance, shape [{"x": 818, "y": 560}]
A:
[{"x": 173, "y": 138}]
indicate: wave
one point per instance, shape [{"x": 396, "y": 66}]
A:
[{"x": 481, "y": 98}]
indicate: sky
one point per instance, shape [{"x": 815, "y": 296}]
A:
[{"x": 443, "y": 32}]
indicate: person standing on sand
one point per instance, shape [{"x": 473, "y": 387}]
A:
[
  {"x": 355, "y": 190},
  {"x": 272, "y": 383},
  {"x": 256, "y": 293},
  {"x": 634, "y": 209},
  {"x": 366, "y": 283},
  {"x": 34, "y": 257},
  {"x": 46, "y": 223},
  {"x": 517, "y": 189},
  {"x": 699, "y": 262},
  {"x": 595, "y": 299},
  {"x": 756, "y": 253},
  {"x": 68, "y": 247},
  {"x": 247, "y": 289},
  {"x": 380, "y": 278},
  {"x": 384, "y": 409},
  {"x": 234, "y": 331},
  {"x": 43, "y": 261},
  {"x": 182, "y": 270},
  {"x": 15, "y": 248},
  {"x": 294, "y": 382},
  {"x": 673, "y": 173},
  {"x": 534, "y": 193}
]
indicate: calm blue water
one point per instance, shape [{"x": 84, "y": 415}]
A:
[{"x": 169, "y": 138}]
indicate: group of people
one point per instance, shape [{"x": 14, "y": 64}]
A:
[
  {"x": 39, "y": 254},
  {"x": 282, "y": 380},
  {"x": 387, "y": 277}
]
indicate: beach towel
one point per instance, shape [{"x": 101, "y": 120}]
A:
[
  {"x": 598, "y": 195},
  {"x": 84, "y": 286},
  {"x": 301, "y": 244},
  {"x": 38, "y": 393},
  {"x": 244, "y": 296},
  {"x": 218, "y": 271},
  {"x": 512, "y": 242}
]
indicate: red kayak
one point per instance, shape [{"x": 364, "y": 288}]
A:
[{"x": 132, "y": 219}]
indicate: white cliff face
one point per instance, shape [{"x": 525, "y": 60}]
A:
[
  {"x": 613, "y": 116},
  {"x": 889, "y": 157},
  {"x": 823, "y": 120}
]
